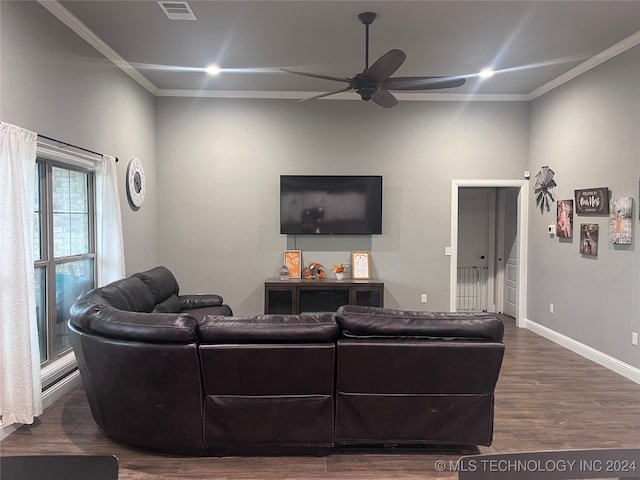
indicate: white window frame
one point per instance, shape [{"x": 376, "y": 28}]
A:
[{"x": 60, "y": 374}]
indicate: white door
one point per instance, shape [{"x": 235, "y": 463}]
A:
[
  {"x": 475, "y": 245},
  {"x": 511, "y": 253}
]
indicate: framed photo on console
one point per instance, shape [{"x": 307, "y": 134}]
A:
[
  {"x": 360, "y": 266},
  {"x": 293, "y": 261}
]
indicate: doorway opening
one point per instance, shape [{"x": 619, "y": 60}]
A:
[{"x": 489, "y": 223}]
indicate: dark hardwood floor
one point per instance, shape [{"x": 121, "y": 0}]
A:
[{"x": 548, "y": 398}]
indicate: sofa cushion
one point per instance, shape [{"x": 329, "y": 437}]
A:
[
  {"x": 311, "y": 327},
  {"x": 170, "y": 305},
  {"x": 144, "y": 327},
  {"x": 369, "y": 322},
  {"x": 160, "y": 282},
  {"x": 129, "y": 294},
  {"x": 200, "y": 313}
]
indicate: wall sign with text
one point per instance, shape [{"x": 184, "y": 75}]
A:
[{"x": 592, "y": 201}]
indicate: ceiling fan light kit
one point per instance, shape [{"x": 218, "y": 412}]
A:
[{"x": 375, "y": 81}]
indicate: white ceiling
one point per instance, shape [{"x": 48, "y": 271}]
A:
[{"x": 532, "y": 45}]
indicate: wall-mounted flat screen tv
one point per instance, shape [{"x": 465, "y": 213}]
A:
[{"x": 331, "y": 204}]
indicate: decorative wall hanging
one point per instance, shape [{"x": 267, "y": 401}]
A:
[
  {"x": 592, "y": 201},
  {"x": 136, "y": 183},
  {"x": 564, "y": 219},
  {"x": 589, "y": 239},
  {"x": 621, "y": 221},
  {"x": 544, "y": 184}
]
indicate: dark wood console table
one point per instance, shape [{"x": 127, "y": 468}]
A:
[{"x": 323, "y": 295}]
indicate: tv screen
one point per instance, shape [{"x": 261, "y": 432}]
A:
[{"x": 331, "y": 204}]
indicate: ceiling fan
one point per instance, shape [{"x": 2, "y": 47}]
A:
[{"x": 375, "y": 81}]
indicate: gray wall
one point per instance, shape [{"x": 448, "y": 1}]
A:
[
  {"x": 219, "y": 163},
  {"x": 588, "y": 132},
  {"x": 54, "y": 83},
  {"x": 211, "y": 212}
]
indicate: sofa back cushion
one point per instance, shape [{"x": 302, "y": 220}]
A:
[
  {"x": 308, "y": 327},
  {"x": 371, "y": 322},
  {"x": 160, "y": 282},
  {"x": 170, "y": 305},
  {"x": 129, "y": 294},
  {"x": 91, "y": 315}
]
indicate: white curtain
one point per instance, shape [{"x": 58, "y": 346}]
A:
[
  {"x": 20, "y": 386},
  {"x": 109, "y": 244}
]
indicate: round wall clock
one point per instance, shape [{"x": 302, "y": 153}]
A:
[{"x": 136, "y": 182}]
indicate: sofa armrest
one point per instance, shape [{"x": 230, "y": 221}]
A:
[{"x": 190, "y": 302}]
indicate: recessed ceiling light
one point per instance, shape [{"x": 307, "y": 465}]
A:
[
  {"x": 486, "y": 73},
  {"x": 213, "y": 69}
]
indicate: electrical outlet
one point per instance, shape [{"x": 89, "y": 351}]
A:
[
  {"x": 423, "y": 298},
  {"x": 551, "y": 308},
  {"x": 634, "y": 338}
]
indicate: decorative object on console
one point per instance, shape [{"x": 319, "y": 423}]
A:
[
  {"x": 314, "y": 271},
  {"x": 361, "y": 267},
  {"x": 589, "y": 239},
  {"x": 136, "y": 183},
  {"x": 592, "y": 201},
  {"x": 620, "y": 221},
  {"x": 339, "y": 270},
  {"x": 544, "y": 184},
  {"x": 284, "y": 273},
  {"x": 293, "y": 261},
  {"x": 564, "y": 219}
]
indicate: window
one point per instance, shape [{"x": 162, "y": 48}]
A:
[{"x": 64, "y": 246}]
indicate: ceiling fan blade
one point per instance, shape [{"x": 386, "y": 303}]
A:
[
  {"x": 384, "y": 98},
  {"x": 386, "y": 65},
  {"x": 422, "y": 83},
  {"x": 317, "y": 75},
  {"x": 322, "y": 95}
]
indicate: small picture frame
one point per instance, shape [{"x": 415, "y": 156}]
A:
[
  {"x": 360, "y": 265},
  {"x": 564, "y": 219},
  {"x": 293, "y": 261},
  {"x": 589, "y": 239}
]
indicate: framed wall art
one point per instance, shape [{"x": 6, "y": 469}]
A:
[
  {"x": 592, "y": 201},
  {"x": 589, "y": 239},
  {"x": 361, "y": 269},
  {"x": 293, "y": 261},
  {"x": 564, "y": 219},
  {"x": 621, "y": 221}
]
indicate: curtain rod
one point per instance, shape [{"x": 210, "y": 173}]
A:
[{"x": 72, "y": 146}]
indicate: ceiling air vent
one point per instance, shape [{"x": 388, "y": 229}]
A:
[{"x": 177, "y": 10}]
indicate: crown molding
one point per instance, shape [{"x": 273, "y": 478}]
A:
[
  {"x": 296, "y": 95},
  {"x": 71, "y": 21},
  {"x": 609, "y": 53},
  {"x": 66, "y": 17}
]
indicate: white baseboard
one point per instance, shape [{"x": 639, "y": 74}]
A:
[
  {"x": 607, "y": 361},
  {"x": 56, "y": 391}
]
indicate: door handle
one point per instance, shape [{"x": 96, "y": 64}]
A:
[{"x": 482, "y": 257}]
